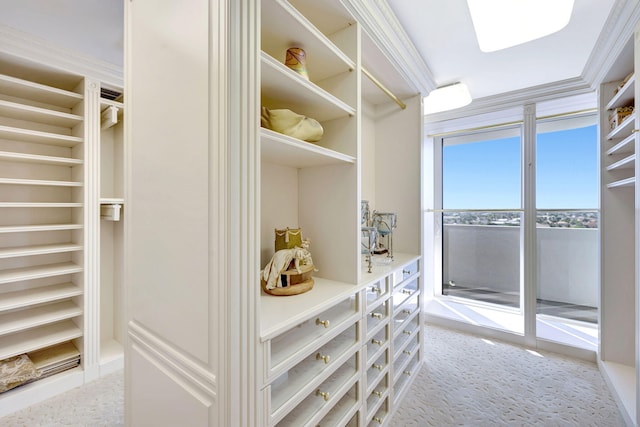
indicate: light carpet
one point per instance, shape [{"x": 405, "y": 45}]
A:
[
  {"x": 471, "y": 381},
  {"x": 466, "y": 381}
]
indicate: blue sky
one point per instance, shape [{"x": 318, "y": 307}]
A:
[{"x": 486, "y": 175}]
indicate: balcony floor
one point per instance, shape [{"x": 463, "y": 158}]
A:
[{"x": 579, "y": 313}]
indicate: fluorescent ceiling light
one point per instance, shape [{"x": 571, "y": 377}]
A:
[
  {"x": 500, "y": 24},
  {"x": 447, "y": 98}
]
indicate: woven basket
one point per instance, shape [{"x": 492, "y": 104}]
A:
[{"x": 298, "y": 282}]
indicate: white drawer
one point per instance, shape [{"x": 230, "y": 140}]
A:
[
  {"x": 405, "y": 272},
  {"x": 376, "y": 318},
  {"x": 377, "y": 396},
  {"x": 376, "y": 370},
  {"x": 404, "y": 357},
  {"x": 405, "y": 311},
  {"x": 288, "y": 388},
  {"x": 376, "y": 292},
  {"x": 401, "y": 294},
  {"x": 318, "y": 403},
  {"x": 377, "y": 344},
  {"x": 290, "y": 347},
  {"x": 380, "y": 416},
  {"x": 405, "y": 377},
  {"x": 344, "y": 412},
  {"x": 410, "y": 330}
]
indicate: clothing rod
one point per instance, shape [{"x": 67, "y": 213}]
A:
[{"x": 383, "y": 88}]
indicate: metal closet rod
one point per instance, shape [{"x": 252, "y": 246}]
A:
[{"x": 383, "y": 88}]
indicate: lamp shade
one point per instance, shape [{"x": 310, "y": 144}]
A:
[{"x": 447, "y": 98}]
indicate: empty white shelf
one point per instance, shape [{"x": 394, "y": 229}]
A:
[
  {"x": 627, "y": 182},
  {"x": 624, "y": 146},
  {"x": 37, "y": 92},
  {"x": 36, "y": 158},
  {"x": 37, "y": 338},
  {"x": 15, "y": 321},
  {"x": 27, "y": 135},
  {"x": 39, "y": 250},
  {"x": 40, "y": 182},
  {"x": 626, "y": 163},
  {"x": 38, "y": 115},
  {"x": 25, "y": 298},
  {"x": 37, "y": 272},
  {"x": 38, "y": 227}
]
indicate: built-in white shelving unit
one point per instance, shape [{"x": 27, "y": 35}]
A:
[
  {"x": 619, "y": 203},
  {"x": 50, "y": 289}
]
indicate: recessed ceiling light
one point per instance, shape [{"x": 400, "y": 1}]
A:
[
  {"x": 500, "y": 24},
  {"x": 447, "y": 98}
]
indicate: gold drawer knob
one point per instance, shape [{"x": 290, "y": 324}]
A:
[
  {"x": 324, "y": 395},
  {"x": 324, "y": 323},
  {"x": 406, "y": 272},
  {"x": 407, "y": 372},
  {"x": 376, "y": 315},
  {"x": 326, "y": 358},
  {"x": 407, "y": 332},
  {"x": 406, "y": 311},
  {"x": 378, "y": 420},
  {"x": 407, "y": 352},
  {"x": 376, "y": 366},
  {"x": 406, "y": 291},
  {"x": 377, "y": 342},
  {"x": 377, "y": 393},
  {"x": 376, "y": 289}
]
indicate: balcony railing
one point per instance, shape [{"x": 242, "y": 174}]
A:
[{"x": 487, "y": 257}]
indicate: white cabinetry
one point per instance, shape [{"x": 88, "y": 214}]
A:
[
  {"x": 49, "y": 225},
  {"x": 618, "y": 354},
  {"x": 326, "y": 348}
]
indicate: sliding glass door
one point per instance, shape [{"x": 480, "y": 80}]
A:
[{"x": 482, "y": 217}]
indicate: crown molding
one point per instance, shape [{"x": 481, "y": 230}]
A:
[
  {"x": 617, "y": 31},
  {"x": 27, "y": 46},
  {"x": 381, "y": 24},
  {"x": 518, "y": 98}
]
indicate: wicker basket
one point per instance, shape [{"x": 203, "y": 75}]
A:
[
  {"x": 617, "y": 116},
  {"x": 297, "y": 282}
]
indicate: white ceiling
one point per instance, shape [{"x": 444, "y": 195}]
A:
[
  {"x": 441, "y": 31},
  {"x": 443, "y": 34}
]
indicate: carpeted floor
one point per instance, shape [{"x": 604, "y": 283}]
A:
[
  {"x": 466, "y": 381},
  {"x": 470, "y": 381}
]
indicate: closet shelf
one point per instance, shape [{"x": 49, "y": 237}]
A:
[
  {"x": 37, "y": 338},
  {"x": 37, "y": 92},
  {"x": 627, "y": 182},
  {"x": 16, "y": 321},
  {"x": 624, "y": 146},
  {"x": 626, "y": 163},
  {"x": 39, "y": 250},
  {"x": 104, "y": 103},
  {"x": 36, "y": 158},
  {"x": 38, "y": 272},
  {"x": 39, "y": 115},
  {"x": 283, "y": 27},
  {"x": 40, "y": 182},
  {"x": 622, "y": 127},
  {"x": 624, "y": 96},
  {"x": 43, "y": 294},
  {"x": 284, "y": 150},
  {"x": 26, "y": 135},
  {"x": 40, "y": 205},
  {"x": 284, "y": 88},
  {"x": 38, "y": 227}
]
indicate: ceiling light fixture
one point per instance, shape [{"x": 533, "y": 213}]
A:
[
  {"x": 500, "y": 24},
  {"x": 446, "y": 98}
]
